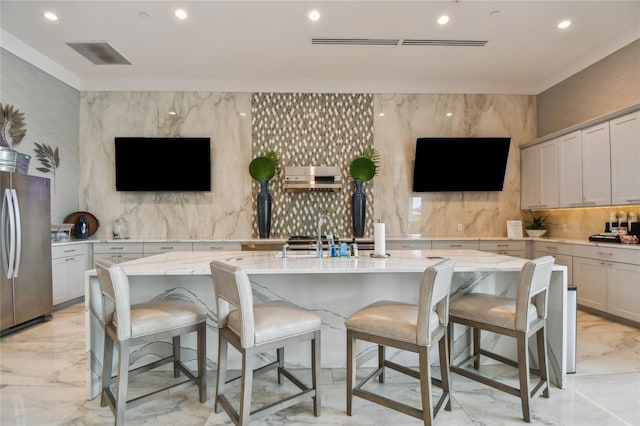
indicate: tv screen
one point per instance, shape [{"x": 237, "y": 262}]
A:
[
  {"x": 162, "y": 164},
  {"x": 460, "y": 164}
]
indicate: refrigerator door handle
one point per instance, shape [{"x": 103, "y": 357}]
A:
[
  {"x": 18, "y": 234},
  {"x": 8, "y": 233}
]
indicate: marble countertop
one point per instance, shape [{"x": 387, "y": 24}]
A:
[
  {"x": 388, "y": 238},
  {"x": 271, "y": 262}
]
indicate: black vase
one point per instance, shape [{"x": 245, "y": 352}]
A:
[
  {"x": 358, "y": 209},
  {"x": 264, "y": 209},
  {"x": 82, "y": 228}
]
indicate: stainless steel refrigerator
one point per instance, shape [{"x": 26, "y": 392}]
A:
[{"x": 25, "y": 240}]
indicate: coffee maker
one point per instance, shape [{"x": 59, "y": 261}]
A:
[{"x": 614, "y": 231}]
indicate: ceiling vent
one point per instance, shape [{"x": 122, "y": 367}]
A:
[
  {"x": 427, "y": 42},
  {"x": 100, "y": 53},
  {"x": 397, "y": 42}
]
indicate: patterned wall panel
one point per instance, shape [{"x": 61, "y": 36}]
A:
[{"x": 312, "y": 129}]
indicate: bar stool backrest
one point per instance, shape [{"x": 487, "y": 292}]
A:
[
  {"x": 434, "y": 296},
  {"x": 114, "y": 286},
  {"x": 233, "y": 288},
  {"x": 533, "y": 283}
]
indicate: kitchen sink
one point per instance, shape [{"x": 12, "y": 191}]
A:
[{"x": 301, "y": 254}]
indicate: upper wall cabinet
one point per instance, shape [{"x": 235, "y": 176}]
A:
[
  {"x": 570, "y": 170},
  {"x": 625, "y": 159},
  {"x": 539, "y": 176},
  {"x": 596, "y": 166}
]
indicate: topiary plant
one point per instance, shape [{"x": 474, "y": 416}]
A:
[
  {"x": 265, "y": 167},
  {"x": 365, "y": 167}
]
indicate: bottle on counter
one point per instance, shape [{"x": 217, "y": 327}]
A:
[
  {"x": 622, "y": 223},
  {"x": 613, "y": 218}
]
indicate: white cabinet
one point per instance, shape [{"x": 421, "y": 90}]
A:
[
  {"x": 608, "y": 279},
  {"x": 117, "y": 252},
  {"x": 561, "y": 253},
  {"x": 455, "y": 244},
  {"x": 408, "y": 244},
  {"x": 625, "y": 159},
  {"x": 539, "y": 176},
  {"x": 570, "y": 170},
  {"x": 68, "y": 265},
  {"x": 149, "y": 249},
  {"x": 217, "y": 246},
  {"x": 505, "y": 247},
  {"x": 596, "y": 166}
]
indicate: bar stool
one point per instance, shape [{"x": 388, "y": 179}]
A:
[
  {"x": 521, "y": 318},
  {"x": 128, "y": 325},
  {"x": 411, "y": 328},
  {"x": 255, "y": 328}
]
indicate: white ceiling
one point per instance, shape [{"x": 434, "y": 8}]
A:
[{"x": 266, "y": 45}]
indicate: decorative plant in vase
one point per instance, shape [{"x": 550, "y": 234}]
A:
[
  {"x": 263, "y": 168},
  {"x": 536, "y": 228},
  {"x": 362, "y": 169}
]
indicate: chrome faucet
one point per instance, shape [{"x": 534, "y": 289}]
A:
[{"x": 321, "y": 220}]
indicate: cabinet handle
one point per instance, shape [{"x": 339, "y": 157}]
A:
[
  {"x": 602, "y": 253},
  {"x": 503, "y": 245},
  {"x": 634, "y": 201},
  {"x": 575, "y": 204},
  {"x": 216, "y": 247},
  {"x": 117, "y": 248},
  {"x": 551, "y": 247},
  {"x": 70, "y": 251},
  {"x": 588, "y": 203},
  {"x": 166, "y": 248},
  {"x": 408, "y": 246},
  {"x": 455, "y": 245}
]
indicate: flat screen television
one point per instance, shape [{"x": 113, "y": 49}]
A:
[
  {"x": 460, "y": 164},
  {"x": 162, "y": 164}
]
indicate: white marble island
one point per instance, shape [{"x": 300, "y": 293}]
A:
[{"x": 333, "y": 288}]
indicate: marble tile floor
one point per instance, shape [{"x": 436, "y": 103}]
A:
[{"x": 42, "y": 382}]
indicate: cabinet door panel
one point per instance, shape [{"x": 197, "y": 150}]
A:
[
  {"x": 549, "y": 174},
  {"x": 625, "y": 158},
  {"x": 623, "y": 290},
  {"x": 590, "y": 276},
  {"x": 596, "y": 166},
  {"x": 570, "y": 170}
]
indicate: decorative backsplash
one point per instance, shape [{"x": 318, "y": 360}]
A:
[{"x": 312, "y": 129}]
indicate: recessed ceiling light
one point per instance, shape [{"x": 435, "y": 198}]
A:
[
  {"x": 381, "y": 114},
  {"x": 172, "y": 113},
  {"x": 314, "y": 15},
  {"x": 449, "y": 114},
  {"x": 242, "y": 114},
  {"x": 180, "y": 14},
  {"x": 564, "y": 24},
  {"x": 50, "y": 16},
  {"x": 443, "y": 19}
]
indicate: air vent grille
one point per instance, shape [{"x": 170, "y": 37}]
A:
[
  {"x": 357, "y": 41},
  {"x": 100, "y": 53},
  {"x": 397, "y": 42}
]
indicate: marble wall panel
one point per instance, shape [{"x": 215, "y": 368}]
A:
[
  {"x": 223, "y": 213},
  {"x": 410, "y": 116}
]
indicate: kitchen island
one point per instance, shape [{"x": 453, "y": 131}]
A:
[{"x": 331, "y": 287}]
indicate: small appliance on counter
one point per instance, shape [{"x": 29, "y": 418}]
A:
[
  {"x": 627, "y": 232},
  {"x": 120, "y": 228}
]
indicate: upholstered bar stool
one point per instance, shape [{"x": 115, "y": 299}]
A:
[
  {"x": 411, "y": 328},
  {"x": 128, "y": 325},
  {"x": 521, "y": 318},
  {"x": 255, "y": 328}
]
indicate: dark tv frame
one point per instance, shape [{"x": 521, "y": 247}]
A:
[
  {"x": 454, "y": 164},
  {"x": 162, "y": 164}
]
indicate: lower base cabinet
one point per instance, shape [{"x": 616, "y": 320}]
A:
[
  {"x": 611, "y": 287},
  {"x": 68, "y": 265}
]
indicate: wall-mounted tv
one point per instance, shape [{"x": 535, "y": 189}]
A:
[
  {"x": 460, "y": 164},
  {"x": 162, "y": 164}
]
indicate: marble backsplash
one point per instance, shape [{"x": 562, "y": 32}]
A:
[{"x": 228, "y": 211}]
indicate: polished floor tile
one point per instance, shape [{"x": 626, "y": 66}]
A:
[{"x": 42, "y": 382}]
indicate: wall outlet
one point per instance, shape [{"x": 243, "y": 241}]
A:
[
  {"x": 565, "y": 228},
  {"x": 460, "y": 227}
]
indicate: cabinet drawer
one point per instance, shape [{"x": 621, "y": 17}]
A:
[
  {"x": 69, "y": 250},
  {"x": 446, "y": 245},
  {"x": 608, "y": 253},
  {"x": 408, "y": 245},
  {"x": 156, "y": 248},
  {"x": 108, "y": 248},
  {"x": 514, "y": 253},
  {"x": 552, "y": 248},
  {"x": 500, "y": 246},
  {"x": 216, "y": 246}
]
